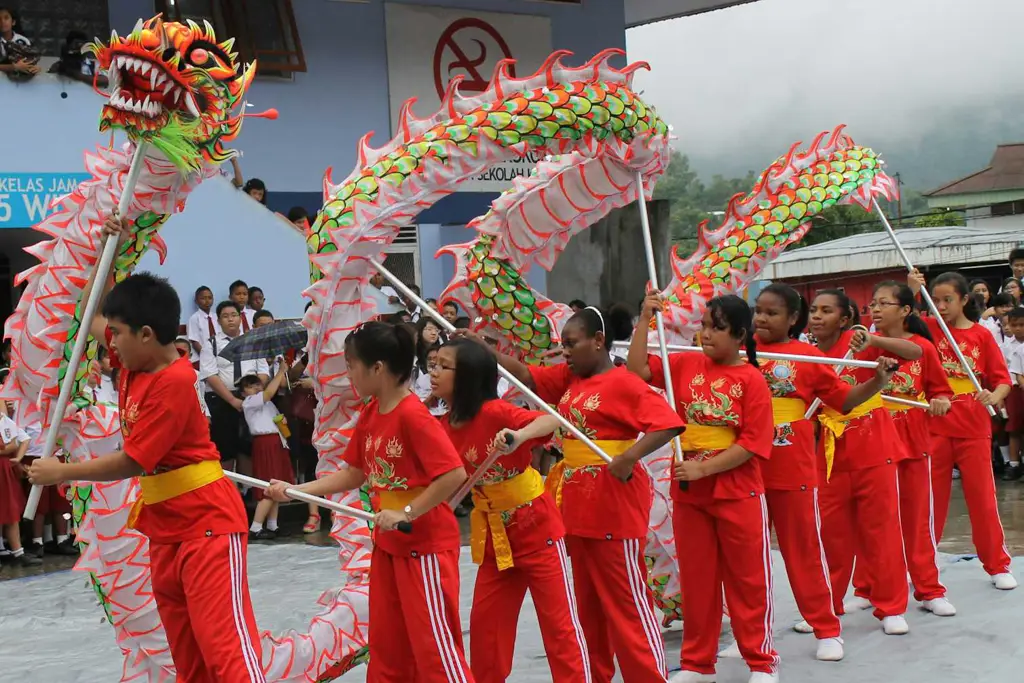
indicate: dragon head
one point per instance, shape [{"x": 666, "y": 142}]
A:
[{"x": 174, "y": 86}]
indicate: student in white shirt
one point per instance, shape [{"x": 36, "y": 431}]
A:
[
  {"x": 239, "y": 293},
  {"x": 202, "y": 325},
  {"x": 270, "y": 458},
  {"x": 14, "y": 443},
  {"x": 53, "y": 505},
  {"x": 221, "y": 377}
]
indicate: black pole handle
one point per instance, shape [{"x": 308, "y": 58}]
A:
[
  {"x": 404, "y": 527},
  {"x": 509, "y": 439}
]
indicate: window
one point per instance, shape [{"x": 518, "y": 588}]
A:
[
  {"x": 47, "y": 22},
  {"x": 1008, "y": 208},
  {"x": 263, "y": 30}
]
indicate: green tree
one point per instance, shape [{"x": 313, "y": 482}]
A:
[{"x": 940, "y": 218}]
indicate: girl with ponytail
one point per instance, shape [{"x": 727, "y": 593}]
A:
[
  {"x": 892, "y": 311},
  {"x": 718, "y": 507},
  {"x": 964, "y": 437}
]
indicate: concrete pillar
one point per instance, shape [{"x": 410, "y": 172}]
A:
[{"x": 605, "y": 264}]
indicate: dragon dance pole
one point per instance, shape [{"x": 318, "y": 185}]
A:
[
  {"x": 478, "y": 474},
  {"x": 652, "y": 275},
  {"x": 816, "y": 403},
  {"x": 792, "y": 357},
  {"x": 81, "y": 341},
  {"x": 513, "y": 380},
  {"x": 904, "y": 401},
  {"x": 931, "y": 305}
]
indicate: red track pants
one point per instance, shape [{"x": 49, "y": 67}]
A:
[
  {"x": 917, "y": 511},
  {"x": 973, "y": 457},
  {"x": 616, "y": 609},
  {"x": 415, "y": 632},
  {"x": 725, "y": 543},
  {"x": 797, "y": 521},
  {"x": 202, "y": 595},
  {"x": 497, "y": 599},
  {"x": 860, "y": 520}
]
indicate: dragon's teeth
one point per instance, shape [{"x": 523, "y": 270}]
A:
[
  {"x": 144, "y": 67},
  {"x": 190, "y": 102},
  {"x": 167, "y": 88},
  {"x": 152, "y": 79}
]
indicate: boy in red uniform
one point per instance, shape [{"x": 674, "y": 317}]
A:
[{"x": 193, "y": 516}]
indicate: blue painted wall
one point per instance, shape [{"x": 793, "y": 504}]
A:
[{"x": 323, "y": 112}]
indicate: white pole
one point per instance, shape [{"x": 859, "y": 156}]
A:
[
  {"x": 849, "y": 355},
  {"x": 652, "y": 275},
  {"x": 793, "y": 357},
  {"x": 99, "y": 282},
  {"x": 904, "y": 401},
  {"x": 931, "y": 305},
  {"x": 513, "y": 380}
]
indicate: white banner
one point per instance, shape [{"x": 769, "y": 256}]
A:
[{"x": 427, "y": 46}]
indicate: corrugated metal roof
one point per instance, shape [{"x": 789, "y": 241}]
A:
[
  {"x": 875, "y": 251},
  {"x": 1004, "y": 172},
  {"x": 640, "y": 12}
]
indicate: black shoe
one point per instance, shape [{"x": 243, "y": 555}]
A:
[
  {"x": 35, "y": 549},
  {"x": 1013, "y": 471},
  {"x": 26, "y": 560},
  {"x": 67, "y": 548},
  {"x": 262, "y": 535},
  {"x": 6, "y": 558}
]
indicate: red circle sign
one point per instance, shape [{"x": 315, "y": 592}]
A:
[{"x": 456, "y": 38}]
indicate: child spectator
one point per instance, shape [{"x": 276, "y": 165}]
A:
[
  {"x": 202, "y": 325},
  {"x": 993, "y": 317},
  {"x": 262, "y": 318},
  {"x": 256, "y": 300},
  {"x": 106, "y": 389},
  {"x": 16, "y": 56},
  {"x": 1012, "y": 286},
  {"x": 270, "y": 458},
  {"x": 255, "y": 188},
  {"x": 1017, "y": 263},
  {"x": 13, "y": 444},
  {"x": 299, "y": 217},
  {"x": 1013, "y": 349},
  {"x": 238, "y": 292},
  {"x": 53, "y": 505},
  {"x": 450, "y": 311}
]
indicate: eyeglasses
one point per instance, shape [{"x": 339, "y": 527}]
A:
[
  {"x": 880, "y": 304},
  {"x": 436, "y": 368}
]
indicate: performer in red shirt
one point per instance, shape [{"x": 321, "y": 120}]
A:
[
  {"x": 516, "y": 533},
  {"x": 402, "y": 452},
  {"x": 859, "y": 499},
  {"x": 192, "y": 514},
  {"x": 606, "y": 507},
  {"x": 719, "y": 508},
  {"x": 791, "y": 474},
  {"x": 964, "y": 436}
]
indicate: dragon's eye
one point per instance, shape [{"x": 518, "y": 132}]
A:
[{"x": 200, "y": 57}]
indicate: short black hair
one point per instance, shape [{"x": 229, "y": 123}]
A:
[
  {"x": 1001, "y": 299},
  {"x": 200, "y": 289},
  {"x": 254, "y": 288},
  {"x": 577, "y": 303},
  {"x": 451, "y": 304},
  {"x": 227, "y": 304},
  {"x": 461, "y": 323},
  {"x": 392, "y": 345},
  {"x": 1016, "y": 255},
  {"x": 248, "y": 381},
  {"x": 297, "y": 213},
  {"x": 145, "y": 300},
  {"x": 236, "y": 284},
  {"x": 1015, "y": 314},
  {"x": 414, "y": 287},
  {"x": 476, "y": 379},
  {"x": 260, "y": 315}
]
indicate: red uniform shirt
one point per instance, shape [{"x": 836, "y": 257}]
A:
[
  {"x": 164, "y": 428},
  {"x": 615, "y": 405},
  {"x": 403, "y": 450},
  {"x": 793, "y": 465},
  {"x": 733, "y": 396},
  {"x": 531, "y": 526},
  {"x": 923, "y": 376},
  {"x": 868, "y": 441},
  {"x": 968, "y": 418}
]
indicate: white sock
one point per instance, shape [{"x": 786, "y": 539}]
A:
[
  {"x": 18, "y": 553},
  {"x": 61, "y": 538},
  {"x": 272, "y": 525},
  {"x": 47, "y": 533},
  {"x": 1005, "y": 452},
  {"x": 38, "y": 540},
  {"x": 256, "y": 527}
]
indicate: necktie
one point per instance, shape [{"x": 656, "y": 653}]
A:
[
  {"x": 245, "y": 323},
  {"x": 209, "y": 325}
]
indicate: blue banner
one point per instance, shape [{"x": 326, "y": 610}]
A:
[{"x": 25, "y": 198}]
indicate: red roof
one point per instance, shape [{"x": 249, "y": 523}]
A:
[{"x": 1004, "y": 172}]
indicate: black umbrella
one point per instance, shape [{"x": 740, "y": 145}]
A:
[{"x": 268, "y": 341}]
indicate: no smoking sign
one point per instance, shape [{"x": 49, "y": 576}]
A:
[{"x": 469, "y": 47}]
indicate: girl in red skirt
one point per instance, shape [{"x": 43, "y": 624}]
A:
[
  {"x": 606, "y": 508},
  {"x": 13, "y": 444},
  {"x": 791, "y": 474},
  {"x": 52, "y": 538},
  {"x": 412, "y": 469},
  {"x": 270, "y": 457},
  {"x": 860, "y": 449},
  {"x": 719, "y": 509},
  {"x": 964, "y": 436},
  {"x": 892, "y": 311},
  {"x": 517, "y": 535}
]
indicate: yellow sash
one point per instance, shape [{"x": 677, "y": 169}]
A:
[
  {"x": 707, "y": 437},
  {"x": 961, "y": 386},
  {"x": 489, "y": 502},
  {"x": 158, "y": 488},
  {"x": 834, "y": 424},
  {"x": 787, "y": 410},
  {"x": 902, "y": 407},
  {"x": 397, "y": 499},
  {"x": 576, "y": 454}
]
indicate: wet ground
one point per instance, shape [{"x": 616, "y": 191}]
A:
[{"x": 956, "y": 541}]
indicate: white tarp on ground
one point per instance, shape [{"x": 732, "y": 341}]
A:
[{"x": 52, "y": 629}]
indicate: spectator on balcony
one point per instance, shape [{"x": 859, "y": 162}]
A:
[
  {"x": 450, "y": 311},
  {"x": 299, "y": 217},
  {"x": 238, "y": 292},
  {"x": 17, "y": 58},
  {"x": 256, "y": 301},
  {"x": 255, "y": 188},
  {"x": 76, "y": 65},
  {"x": 202, "y": 326}
]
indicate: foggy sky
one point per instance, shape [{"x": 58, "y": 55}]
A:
[{"x": 931, "y": 84}]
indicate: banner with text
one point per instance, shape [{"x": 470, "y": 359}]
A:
[
  {"x": 25, "y": 198},
  {"x": 427, "y": 46}
]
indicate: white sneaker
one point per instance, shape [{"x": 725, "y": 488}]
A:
[
  {"x": 762, "y": 677},
  {"x": 830, "y": 650},
  {"x": 940, "y": 607},
  {"x": 895, "y": 626},
  {"x": 856, "y": 604},
  {"x": 731, "y": 651},
  {"x": 1004, "y": 582},
  {"x": 802, "y": 627},
  {"x": 692, "y": 677}
]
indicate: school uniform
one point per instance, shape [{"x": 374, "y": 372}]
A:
[
  {"x": 270, "y": 456},
  {"x": 248, "y": 319},
  {"x": 52, "y": 500},
  {"x": 201, "y": 327},
  {"x": 12, "y": 496},
  {"x": 225, "y": 421}
]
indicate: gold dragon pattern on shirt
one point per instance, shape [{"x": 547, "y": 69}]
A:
[
  {"x": 951, "y": 364},
  {"x": 713, "y": 408},
  {"x": 496, "y": 474},
  {"x": 578, "y": 406},
  {"x": 382, "y": 468}
]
